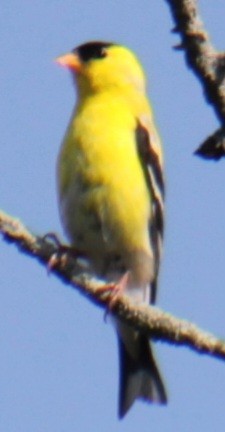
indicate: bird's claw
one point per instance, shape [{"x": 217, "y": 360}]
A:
[
  {"x": 116, "y": 289},
  {"x": 61, "y": 252}
]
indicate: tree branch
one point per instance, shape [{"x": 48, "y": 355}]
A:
[
  {"x": 207, "y": 64},
  {"x": 154, "y": 322}
]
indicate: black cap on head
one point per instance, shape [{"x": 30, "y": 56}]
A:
[{"x": 92, "y": 50}]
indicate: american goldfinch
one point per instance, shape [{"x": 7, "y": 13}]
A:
[{"x": 111, "y": 193}]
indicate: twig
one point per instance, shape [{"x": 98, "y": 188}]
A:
[
  {"x": 158, "y": 324},
  {"x": 207, "y": 64}
]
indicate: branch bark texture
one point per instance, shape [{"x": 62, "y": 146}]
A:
[
  {"x": 157, "y": 324},
  {"x": 207, "y": 63}
]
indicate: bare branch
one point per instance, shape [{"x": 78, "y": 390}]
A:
[
  {"x": 207, "y": 64},
  {"x": 157, "y": 324}
]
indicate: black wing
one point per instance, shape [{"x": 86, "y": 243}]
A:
[{"x": 153, "y": 172}]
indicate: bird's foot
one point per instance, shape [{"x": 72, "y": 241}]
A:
[
  {"x": 115, "y": 289},
  {"x": 61, "y": 253},
  {"x": 118, "y": 289}
]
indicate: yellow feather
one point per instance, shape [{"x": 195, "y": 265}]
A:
[{"x": 110, "y": 192}]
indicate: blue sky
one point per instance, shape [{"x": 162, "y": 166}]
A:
[{"x": 59, "y": 366}]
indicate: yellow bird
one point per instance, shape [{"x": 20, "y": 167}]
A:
[{"x": 111, "y": 194}]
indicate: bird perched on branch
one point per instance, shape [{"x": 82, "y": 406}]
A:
[{"x": 111, "y": 194}]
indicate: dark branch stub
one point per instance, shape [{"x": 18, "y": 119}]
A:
[{"x": 213, "y": 148}]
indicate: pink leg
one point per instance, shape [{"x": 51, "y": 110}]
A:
[{"x": 116, "y": 290}]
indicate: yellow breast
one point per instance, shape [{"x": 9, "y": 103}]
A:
[{"x": 101, "y": 177}]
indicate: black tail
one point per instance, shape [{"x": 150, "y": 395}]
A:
[{"x": 139, "y": 375}]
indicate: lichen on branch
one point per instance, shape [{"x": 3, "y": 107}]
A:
[
  {"x": 208, "y": 65},
  {"x": 154, "y": 322}
]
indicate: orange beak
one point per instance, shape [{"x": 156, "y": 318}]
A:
[{"x": 70, "y": 61}]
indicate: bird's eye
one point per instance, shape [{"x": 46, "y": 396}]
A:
[{"x": 100, "y": 52}]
